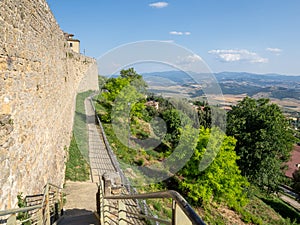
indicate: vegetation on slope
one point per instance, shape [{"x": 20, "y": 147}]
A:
[
  {"x": 219, "y": 189},
  {"x": 264, "y": 141},
  {"x": 77, "y": 168}
]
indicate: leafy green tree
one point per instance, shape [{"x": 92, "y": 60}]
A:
[
  {"x": 114, "y": 86},
  {"x": 264, "y": 141},
  {"x": 173, "y": 123},
  {"x": 130, "y": 74},
  {"x": 134, "y": 78},
  {"x": 221, "y": 180},
  {"x": 296, "y": 176}
]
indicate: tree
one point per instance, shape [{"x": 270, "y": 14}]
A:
[
  {"x": 130, "y": 74},
  {"x": 296, "y": 176},
  {"x": 220, "y": 181},
  {"x": 264, "y": 140}
]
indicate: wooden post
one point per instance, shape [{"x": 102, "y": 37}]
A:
[
  {"x": 47, "y": 209},
  {"x": 40, "y": 217},
  {"x": 12, "y": 220},
  {"x": 105, "y": 209},
  {"x": 101, "y": 202}
]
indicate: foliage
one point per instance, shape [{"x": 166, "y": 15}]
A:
[
  {"x": 296, "y": 184},
  {"x": 173, "y": 123},
  {"x": 124, "y": 94},
  {"x": 221, "y": 181},
  {"x": 264, "y": 141},
  {"x": 286, "y": 211},
  {"x": 77, "y": 168},
  {"x": 113, "y": 87},
  {"x": 21, "y": 204},
  {"x": 261, "y": 209}
]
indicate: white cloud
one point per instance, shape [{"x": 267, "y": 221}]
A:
[
  {"x": 276, "y": 51},
  {"x": 190, "y": 62},
  {"x": 176, "y": 33},
  {"x": 186, "y": 60},
  {"x": 159, "y": 5},
  {"x": 231, "y": 55},
  {"x": 179, "y": 33}
]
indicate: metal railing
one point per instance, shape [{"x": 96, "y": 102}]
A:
[
  {"x": 182, "y": 212},
  {"x": 42, "y": 209},
  {"x": 141, "y": 204}
]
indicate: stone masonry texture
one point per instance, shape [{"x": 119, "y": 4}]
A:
[{"x": 39, "y": 79}]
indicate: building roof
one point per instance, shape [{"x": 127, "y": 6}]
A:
[
  {"x": 295, "y": 159},
  {"x": 69, "y": 37}
]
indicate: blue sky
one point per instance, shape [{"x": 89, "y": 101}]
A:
[{"x": 259, "y": 36}]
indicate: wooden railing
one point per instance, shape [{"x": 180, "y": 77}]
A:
[{"x": 42, "y": 209}]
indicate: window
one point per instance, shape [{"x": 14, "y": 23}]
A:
[{"x": 71, "y": 45}]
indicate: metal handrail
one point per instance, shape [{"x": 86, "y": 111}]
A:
[
  {"x": 184, "y": 205},
  {"x": 19, "y": 210},
  {"x": 177, "y": 198},
  {"x": 145, "y": 209}
]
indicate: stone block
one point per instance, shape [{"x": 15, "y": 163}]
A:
[{"x": 112, "y": 183}]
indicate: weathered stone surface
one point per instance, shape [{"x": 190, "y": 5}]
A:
[
  {"x": 39, "y": 79},
  {"x": 112, "y": 183}
]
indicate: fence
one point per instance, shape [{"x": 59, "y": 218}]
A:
[{"x": 41, "y": 209}]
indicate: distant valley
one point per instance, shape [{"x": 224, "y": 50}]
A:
[{"x": 281, "y": 89}]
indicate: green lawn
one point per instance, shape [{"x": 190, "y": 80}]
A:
[
  {"x": 77, "y": 167},
  {"x": 80, "y": 127}
]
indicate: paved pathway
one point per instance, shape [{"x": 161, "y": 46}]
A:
[
  {"x": 100, "y": 161},
  {"x": 81, "y": 204},
  {"x": 81, "y": 196}
]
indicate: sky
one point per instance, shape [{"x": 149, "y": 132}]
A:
[{"x": 257, "y": 36}]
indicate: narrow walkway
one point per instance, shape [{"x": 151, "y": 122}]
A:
[
  {"x": 81, "y": 196},
  {"x": 100, "y": 161},
  {"x": 81, "y": 204}
]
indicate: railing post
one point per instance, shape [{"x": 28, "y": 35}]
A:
[
  {"x": 179, "y": 217},
  {"x": 47, "y": 207},
  {"x": 40, "y": 217},
  {"x": 173, "y": 212},
  {"x": 100, "y": 202},
  {"x": 12, "y": 220},
  {"x": 122, "y": 213},
  {"x": 105, "y": 209}
]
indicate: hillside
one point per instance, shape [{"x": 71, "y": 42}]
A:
[{"x": 281, "y": 89}]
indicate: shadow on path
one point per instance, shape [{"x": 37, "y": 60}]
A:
[{"x": 79, "y": 217}]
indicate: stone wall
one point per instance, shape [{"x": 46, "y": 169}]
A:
[{"x": 39, "y": 79}]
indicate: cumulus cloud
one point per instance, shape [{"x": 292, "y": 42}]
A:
[
  {"x": 180, "y": 33},
  {"x": 188, "y": 59},
  {"x": 159, "y": 5},
  {"x": 276, "y": 51},
  {"x": 231, "y": 55}
]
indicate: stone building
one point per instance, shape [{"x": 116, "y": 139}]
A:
[{"x": 73, "y": 43}]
